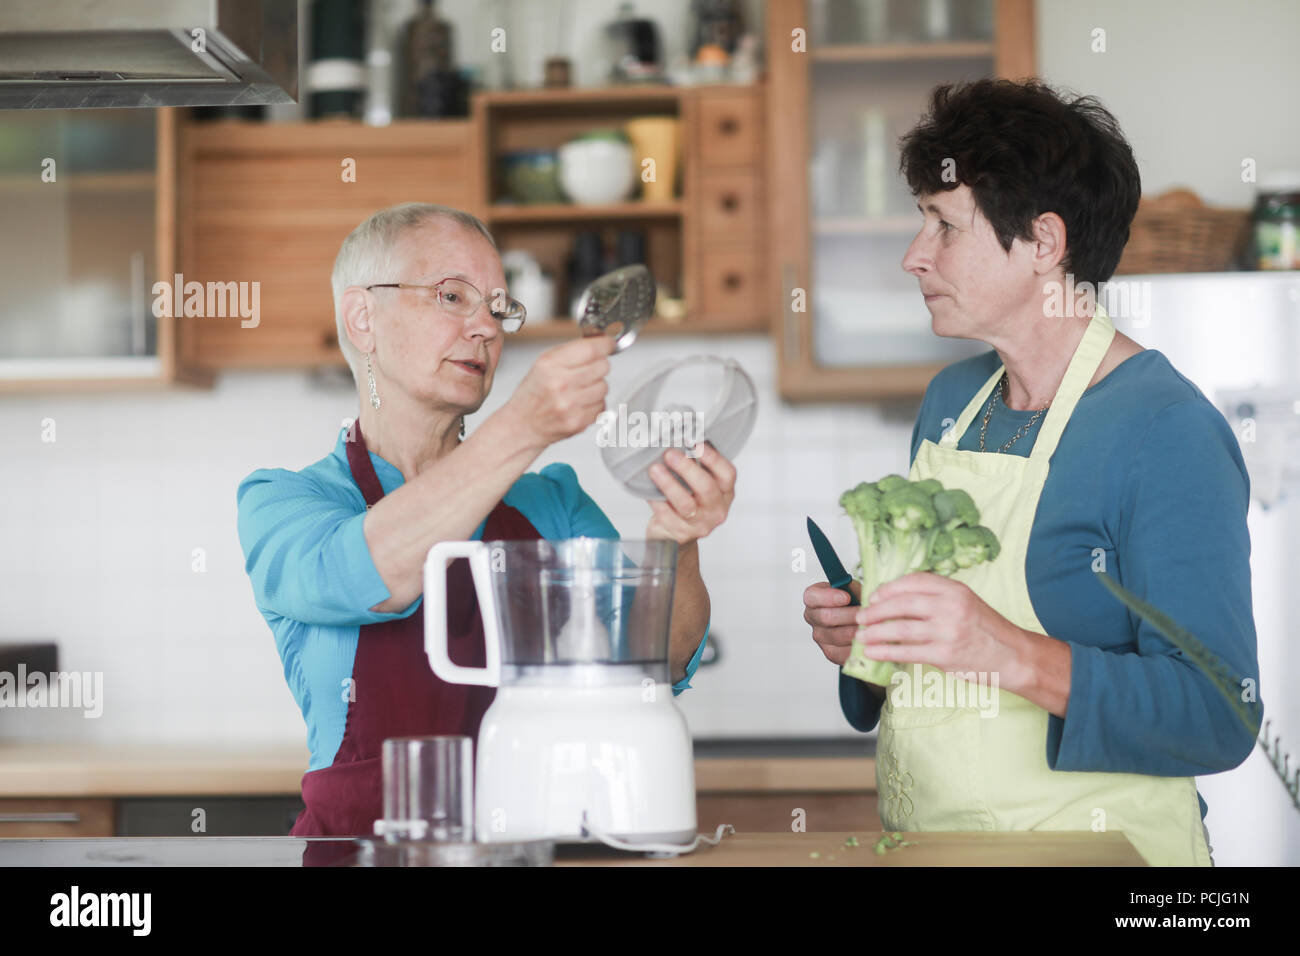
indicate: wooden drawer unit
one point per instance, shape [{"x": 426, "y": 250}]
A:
[
  {"x": 728, "y": 128},
  {"x": 25, "y": 817},
  {"x": 730, "y": 284},
  {"x": 729, "y": 207},
  {"x": 725, "y": 173}
]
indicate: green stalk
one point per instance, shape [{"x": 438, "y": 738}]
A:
[
  {"x": 873, "y": 539},
  {"x": 864, "y": 668}
]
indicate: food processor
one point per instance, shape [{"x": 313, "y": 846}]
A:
[{"x": 583, "y": 741}]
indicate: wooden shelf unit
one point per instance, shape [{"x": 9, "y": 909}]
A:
[
  {"x": 683, "y": 249},
  {"x": 894, "y": 52}
]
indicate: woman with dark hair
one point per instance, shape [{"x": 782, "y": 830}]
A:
[{"x": 1085, "y": 453}]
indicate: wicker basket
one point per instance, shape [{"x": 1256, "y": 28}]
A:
[{"x": 1176, "y": 232}]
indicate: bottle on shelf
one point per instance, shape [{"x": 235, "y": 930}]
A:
[
  {"x": 587, "y": 264},
  {"x": 431, "y": 84},
  {"x": 336, "y": 76}
]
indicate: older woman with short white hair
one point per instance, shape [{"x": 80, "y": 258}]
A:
[{"x": 336, "y": 551}]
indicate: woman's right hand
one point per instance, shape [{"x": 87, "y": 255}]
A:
[
  {"x": 564, "y": 391},
  {"x": 832, "y": 618},
  {"x": 834, "y": 622}
]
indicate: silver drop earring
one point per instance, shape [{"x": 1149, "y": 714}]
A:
[
  {"x": 462, "y": 427},
  {"x": 370, "y": 377}
]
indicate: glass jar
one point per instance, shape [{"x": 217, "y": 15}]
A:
[{"x": 1276, "y": 222}]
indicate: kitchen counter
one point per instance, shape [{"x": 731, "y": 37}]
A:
[
  {"x": 120, "y": 770},
  {"x": 741, "y": 849}
]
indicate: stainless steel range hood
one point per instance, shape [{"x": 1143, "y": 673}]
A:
[{"x": 82, "y": 54}]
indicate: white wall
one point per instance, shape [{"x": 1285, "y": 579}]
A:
[
  {"x": 103, "y": 523},
  {"x": 1197, "y": 85}
]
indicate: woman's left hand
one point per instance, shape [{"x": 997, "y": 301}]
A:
[
  {"x": 931, "y": 619},
  {"x": 688, "y": 515}
]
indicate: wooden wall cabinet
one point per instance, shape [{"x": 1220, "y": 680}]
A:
[
  {"x": 91, "y": 198},
  {"x": 271, "y": 203},
  {"x": 848, "y": 322}
]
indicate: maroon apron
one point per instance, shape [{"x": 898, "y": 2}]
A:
[{"x": 396, "y": 692}]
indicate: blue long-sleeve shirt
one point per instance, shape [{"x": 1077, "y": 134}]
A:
[
  {"x": 315, "y": 582},
  {"x": 1150, "y": 473}
]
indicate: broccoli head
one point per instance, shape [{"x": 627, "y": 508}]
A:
[{"x": 905, "y": 526}]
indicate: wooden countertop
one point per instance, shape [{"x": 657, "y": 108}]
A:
[
  {"x": 1040, "y": 848},
  {"x": 1037, "y": 848},
  {"x": 101, "y": 770},
  {"x": 147, "y": 770}
]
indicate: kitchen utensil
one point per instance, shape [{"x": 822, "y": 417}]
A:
[
  {"x": 428, "y": 789},
  {"x": 597, "y": 169},
  {"x": 618, "y": 303},
  {"x": 678, "y": 403},
  {"x": 583, "y": 740},
  {"x": 830, "y": 562}
]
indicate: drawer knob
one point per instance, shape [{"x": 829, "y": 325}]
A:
[
  {"x": 728, "y": 125},
  {"x": 733, "y": 281},
  {"x": 730, "y": 202}
]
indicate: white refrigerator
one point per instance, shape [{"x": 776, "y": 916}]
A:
[{"x": 1237, "y": 336}]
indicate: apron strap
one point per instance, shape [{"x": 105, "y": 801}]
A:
[
  {"x": 1083, "y": 365},
  {"x": 363, "y": 469}
]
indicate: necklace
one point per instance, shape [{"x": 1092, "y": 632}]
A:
[{"x": 988, "y": 413}]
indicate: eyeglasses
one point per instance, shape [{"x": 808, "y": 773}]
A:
[{"x": 458, "y": 298}]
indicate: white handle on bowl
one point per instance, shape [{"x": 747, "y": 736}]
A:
[{"x": 435, "y": 613}]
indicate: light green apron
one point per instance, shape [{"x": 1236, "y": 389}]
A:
[{"x": 940, "y": 766}]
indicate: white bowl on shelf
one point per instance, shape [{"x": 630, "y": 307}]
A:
[{"x": 595, "y": 172}]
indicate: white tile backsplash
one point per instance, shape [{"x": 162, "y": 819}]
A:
[{"x": 100, "y": 527}]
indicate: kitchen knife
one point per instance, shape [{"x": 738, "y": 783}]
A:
[
  {"x": 830, "y": 562},
  {"x": 855, "y": 699}
]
